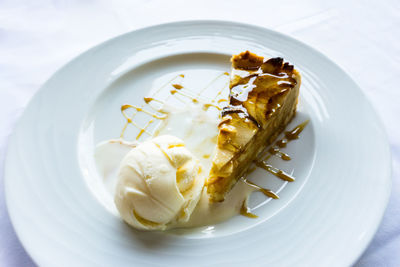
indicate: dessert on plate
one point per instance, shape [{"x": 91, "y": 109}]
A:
[
  {"x": 196, "y": 177},
  {"x": 262, "y": 101}
]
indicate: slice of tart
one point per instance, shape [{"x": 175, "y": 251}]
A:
[{"x": 262, "y": 101}]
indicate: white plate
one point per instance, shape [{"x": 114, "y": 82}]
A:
[{"x": 325, "y": 218}]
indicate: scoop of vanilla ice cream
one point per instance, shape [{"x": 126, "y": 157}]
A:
[{"x": 159, "y": 184}]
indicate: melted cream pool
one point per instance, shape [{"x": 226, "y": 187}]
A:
[{"x": 197, "y": 127}]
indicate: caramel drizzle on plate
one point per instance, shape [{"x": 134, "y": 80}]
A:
[
  {"x": 274, "y": 150},
  {"x": 261, "y": 162},
  {"x": 245, "y": 210},
  {"x": 265, "y": 191},
  {"x": 157, "y": 114},
  {"x": 178, "y": 89}
]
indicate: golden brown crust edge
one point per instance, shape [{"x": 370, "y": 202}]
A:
[{"x": 246, "y": 61}]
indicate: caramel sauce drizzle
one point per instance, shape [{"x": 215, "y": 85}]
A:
[
  {"x": 211, "y": 83},
  {"x": 195, "y": 98},
  {"x": 158, "y": 114},
  {"x": 245, "y": 211},
  {"x": 281, "y": 143},
  {"x": 265, "y": 191},
  {"x": 139, "y": 109},
  {"x": 276, "y": 152},
  {"x": 175, "y": 145},
  {"x": 187, "y": 94},
  {"x": 261, "y": 162},
  {"x": 177, "y": 86},
  {"x": 143, "y": 130},
  {"x": 289, "y": 136},
  {"x": 208, "y": 105},
  {"x": 147, "y": 100},
  {"x": 275, "y": 171},
  {"x": 294, "y": 133},
  {"x": 129, "y": 119},
  {"x": 220, "y": 91}
]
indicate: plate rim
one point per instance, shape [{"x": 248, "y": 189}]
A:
[{"x": 369, "y": 235}]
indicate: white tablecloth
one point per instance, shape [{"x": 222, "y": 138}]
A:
[{"x": 38, "y": 37}]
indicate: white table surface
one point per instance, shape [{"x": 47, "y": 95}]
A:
[{"x": 38, "y": 37}]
